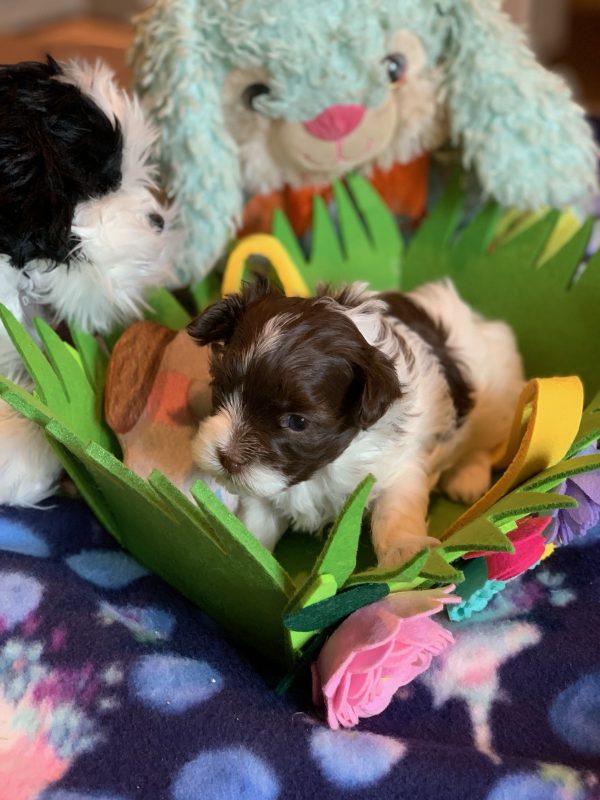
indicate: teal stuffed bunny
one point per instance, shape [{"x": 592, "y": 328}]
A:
[{"x": 251, "y": 96}]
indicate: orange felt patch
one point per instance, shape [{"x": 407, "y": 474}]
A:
[
  {"x": 403, "y": 188},
  {"x": 167, "y": 402}
]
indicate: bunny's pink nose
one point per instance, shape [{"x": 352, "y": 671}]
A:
[{"x": 335, "y": 122}]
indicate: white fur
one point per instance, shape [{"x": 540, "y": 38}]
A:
[
  {"x": 121, "y": 254},
  {"x": 29, "y": 470},
  {"x": 120, "y": 258},
  {"x": 411, "y": 446},
  {"x": 271, "y": 335}
]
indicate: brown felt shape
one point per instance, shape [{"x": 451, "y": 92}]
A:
[
  {"x": 157, "y": 390},
  {"x": 131, "y": 372}
]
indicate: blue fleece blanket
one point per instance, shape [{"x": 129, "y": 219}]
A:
[{"x": 113, "y": 687}]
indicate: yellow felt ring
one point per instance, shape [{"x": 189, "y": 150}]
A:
[
  {"x": 267, "y": 246},
  {"x": 545, "y": 424}
]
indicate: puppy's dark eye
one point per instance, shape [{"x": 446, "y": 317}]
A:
[
  {"x": 396, "y": 66},
  {"x": 157, "y": 221},
  {"x": 252, "y": 92},
  {"x": 294, "y": 422}
]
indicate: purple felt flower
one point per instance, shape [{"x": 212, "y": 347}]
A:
[{"x": 569, "y": 523}]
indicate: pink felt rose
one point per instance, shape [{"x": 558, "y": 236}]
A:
[
  {"x": 376, "y": 650},
  {"x": 529, "y": 544}
]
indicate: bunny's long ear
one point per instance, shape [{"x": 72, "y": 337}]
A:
[
  {"x": 179, "y": 78},
  {"x": 518, "y": 125}
]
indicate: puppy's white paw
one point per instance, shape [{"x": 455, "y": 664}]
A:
[
  {"x": 468, "y": 482},
  {"x": 402, "y": 548},
  {"x": 29, "y": 470}
]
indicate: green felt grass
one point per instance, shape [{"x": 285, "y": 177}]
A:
[{"x": 201, "y": 548}]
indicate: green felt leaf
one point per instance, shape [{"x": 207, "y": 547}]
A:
[
  {"x": 589, "y": 430},
  {"x": 299, "y": 669},
  {"x": 94, "y": 359},
  {"x": 354, "y": 238},
  {"x": 435, "y": 232},
  {"x": 236, "y": 538},
  {"x": 110, "y": 339},
  {"x": 476, "y": 575},
  {"x": 478, "y": 234},
  {"x": 338, "y": 557},
  {"x": 320, "y": 588},
  {"x": 25, "y": 403},
  {"x": 65, "y": 446},
  {"x": 481, "y": 534},
  {"x": 166, "y": 310},
  {"x": 60, "y": 355},
  {"x": 283, "y": 231},
  {"x": 442, "y": 514},
  {"x": 62, "y": 385},
  {"x": 297, "y": 553},
  {"x": 552, "y": 477},
  {"x": 399, "y": 575},
  {"x": 381, "y": 229},
  {"x": 367, "y": 246},
  {"x": 437, "y": 569},
  {"x": 328, "y": 612},
  {"x": 326, "y": 244},
  {"x": 47, "y": 384},
  {"x": 207, "y": 291},
  {"x": 523, "y": 503}
]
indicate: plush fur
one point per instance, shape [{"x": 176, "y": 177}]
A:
[
  {"x": 82, "y": 234},
  {"x": 311, "y": 395},
  {"x": 249, "y": 97}
]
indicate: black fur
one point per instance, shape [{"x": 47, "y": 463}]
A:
[{"x": 57, "y": 149}]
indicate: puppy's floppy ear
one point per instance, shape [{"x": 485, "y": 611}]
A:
[
  {"x": 375, "y": 388},
  {"x": 218, "y": 322}
]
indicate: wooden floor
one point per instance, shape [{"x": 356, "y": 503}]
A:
[
  {"x": 88, "y": 39},
  {"x": 96, "y": 38}
]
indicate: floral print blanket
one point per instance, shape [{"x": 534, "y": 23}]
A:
[{"x": 113, "y": 687}]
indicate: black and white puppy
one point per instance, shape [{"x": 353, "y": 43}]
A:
[
  {"x": 82, "y": 233},
  {"x": 311, "y": 395}
]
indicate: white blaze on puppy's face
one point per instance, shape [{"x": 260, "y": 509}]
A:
[
  {"x": 224, "y": 448},
  {"x": 269, "y": 338}
]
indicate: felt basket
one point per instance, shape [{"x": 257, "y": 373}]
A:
[{"x": 524, "y": 269}]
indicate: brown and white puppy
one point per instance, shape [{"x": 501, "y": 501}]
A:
[{"x": 311, "y": 395}]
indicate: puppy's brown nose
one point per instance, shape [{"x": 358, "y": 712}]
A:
[{"x": 231, "y": 462}]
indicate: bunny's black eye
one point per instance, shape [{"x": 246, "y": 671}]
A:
[
  {"x": 252, "y": 92},
  {"x": 396, "y": 65},
  {"x": 294, "y": 422}
]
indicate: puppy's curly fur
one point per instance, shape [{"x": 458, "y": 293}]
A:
[{"x": 311, "y": 395}]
